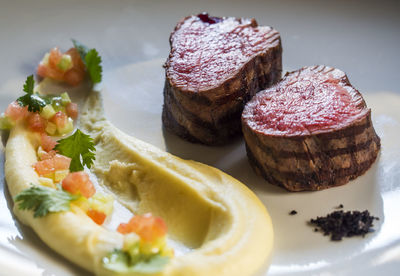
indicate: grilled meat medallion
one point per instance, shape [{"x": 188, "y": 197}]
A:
[
  {"x": 215, "y": 66},
  {"x": 310, "y": 131}
]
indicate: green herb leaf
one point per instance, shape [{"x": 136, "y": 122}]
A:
[
  {"x": 29, "y": 84},
  {"x": 82, "y": 49},
  {"x": 34, "y": 101},
  {"x": 77, "y": 146},
  {"x": 93, "y": 65},
  {"x": 119, "y": 261},
  {"x": 91, "y": 59},
  {"x": 43, "y": 200}
]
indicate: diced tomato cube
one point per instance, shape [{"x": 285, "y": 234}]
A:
[
  {"x": 55, "y": 57},
  {"x": 72, "y": 110},
  {"x": 16, "y": 112},
  {"x": 47, "y": 142},
  {"x": 44, "y": 167},
  {"x": 41, "y": 70},
  {"x": 60, "y": 119},
  {"x": 97, "y": 216},
  {"x": 48, "y": 155},
  {"x": 147, "y": 226},
  {"x": 79, "y": 183},
  {"x": 76, "y": 59},
  {"x": 74, "y": 76},
  {"x": 51, "y": 69},
  {"x": 61, "y": 162},
  {"x": 36, "y": 122}
]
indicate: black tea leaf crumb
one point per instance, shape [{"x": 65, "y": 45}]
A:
[
  {"x": 341, "y": 224},
  {"x": 339, "y": 207},
  {"x": 293, "y": 212}
]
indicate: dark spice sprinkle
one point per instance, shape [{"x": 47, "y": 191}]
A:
[
  {"x": 293, "y": 212},
  {"x": 340, "y": 206},
  {"x": 341, "y": 224}
]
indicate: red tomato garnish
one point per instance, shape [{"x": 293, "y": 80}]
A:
[
  {"x": 97, "y": 216},
  {"x": 61, "y": 162},
  {"x": 44, "y": 167},
  {"x": 41, "y": 70},
  {"x": 36, "y": 122},
  {"x": 47, "y": 142},
  {"x": 76, "y": 60},
  {"x": 16, "y": 112},
  {"x": 48, "y": 155},
  {"x": 55, "y": 57},
  {"x": 60, "y": 119},
  {"x": 147, "y": 226},
  {"x": 72, "y": 110},
  {"x": 51, "y": 69},
  {"x": 73, "y": 76},
  {"x": 79, "y": 183}
]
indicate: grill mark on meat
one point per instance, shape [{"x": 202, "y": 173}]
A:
[
  {"x": 170, "y": 123},
  {"x": 341, "y": 173},
  {"x": 208, "y": 130},
  {"x": 307, "y": 156},
  {"x": 306, "y": 182},
  {"x": 231, "y": 114}
]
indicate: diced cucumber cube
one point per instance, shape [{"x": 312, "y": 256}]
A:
[
  {"x": 65, "y": 62},
  {"x": 102, "y": 202},
  {"x": 47, "y": 111},
  {"x": 57, "y": 104},
  {"x": 69, "y": 127},
  {"x": 82, "y": 203},
  {"x": 60, "y": 175},
  {"x": 65, "y": 99},
  {"x": 51, "y": 128}
]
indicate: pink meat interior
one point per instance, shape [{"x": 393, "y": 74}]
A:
[
  {"x": 204, "y": 55},
  {"x": 306, "y": 103}
]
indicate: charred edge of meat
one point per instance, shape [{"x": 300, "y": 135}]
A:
[
  {"x": 198, "y": 130},
  {"x": 297, "y": 182},
  {"x": 322, "y": 138},
  {"x": 170, "y": 124},
  {"x": 322, "y": 178}
]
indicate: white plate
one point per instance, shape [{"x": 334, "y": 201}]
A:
[{"x": 132, "y": 37}]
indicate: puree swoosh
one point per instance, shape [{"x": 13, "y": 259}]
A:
[{"x": 224, "y": 223}]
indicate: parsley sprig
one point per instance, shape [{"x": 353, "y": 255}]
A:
[
  {"x": 120, "y": 261},
  {"x": 43, "y": 200},
  {"x": 91, "y": 59},
  {"x": 80, "y": 148},
  {"x": 31, "y": 99}
]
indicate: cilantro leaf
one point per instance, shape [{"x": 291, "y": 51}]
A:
[
  {"x": 43, "y": 200},
  {"x": 120, "y": 261},
  {"x": 91, "y": 59},
  {"x": 29, "y": 84},
  {"x": 82, "y": 49},
  {"x": 31, "y": 99},
  {"x": 77, "y": 146},
  {"x": 93, "y": 65}
]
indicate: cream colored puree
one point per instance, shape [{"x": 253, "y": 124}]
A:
[{"x": 215, "y": 223}]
